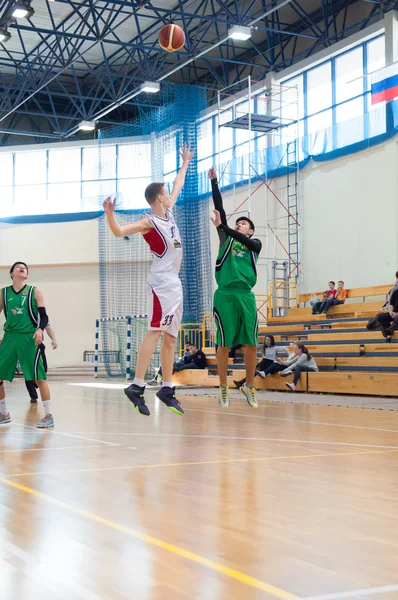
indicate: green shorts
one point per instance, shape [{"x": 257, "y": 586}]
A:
[
  {"x": 235, "y": 313},
  {"x": 22, "y": 348}
]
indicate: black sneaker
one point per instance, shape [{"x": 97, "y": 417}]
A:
[
  {"x": 135, "y": 394},
  {"x": 168, "y": 397}
]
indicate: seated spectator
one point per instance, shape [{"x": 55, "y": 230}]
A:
[
  {"x": 302, "y": 362},
  {"x": 330, "y": 294},
  {"x": 269, "y": 356},
  {"x": 185, "y": 358},
  {"x": 340, "y": 298},
  {"x": 387, "y": 320},
  {"x": 276, "y": 366},
  {"x": 233, "y": 349},
  {"x": 197, "y": 360},
  {"x": 394, "y": 287}
]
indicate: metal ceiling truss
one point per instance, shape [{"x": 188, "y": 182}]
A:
[{"x": 73, "y": 69}]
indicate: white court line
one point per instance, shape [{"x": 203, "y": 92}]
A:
[
  {"x": 54, "y": 432},
  {"x": 256, "y": 439},
  {"x": 49, "y": 448},
  {"x": 231, "y": 414},
  {"x": 355, "y": 593}
]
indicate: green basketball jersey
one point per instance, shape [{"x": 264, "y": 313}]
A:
[
  {"x": 20, "y": 309},
  {"x": 236, "y": 266}
]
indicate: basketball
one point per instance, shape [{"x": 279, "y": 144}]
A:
[{"x": 171, "y": 38}]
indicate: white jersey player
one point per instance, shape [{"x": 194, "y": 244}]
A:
[
  {"x": 165, "y": 302},
  {"x": 164, "y": 286}
]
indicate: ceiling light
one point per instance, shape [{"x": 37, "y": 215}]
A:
[
  {"x": 151, "y": 87},
  {"x": 22, "y": 10},
  {"x": 4, "y": 35},
  {"x": 238, "y": 32},
  {"x": 87, "y": 125}
]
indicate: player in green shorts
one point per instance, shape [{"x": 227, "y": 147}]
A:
[
  {"x": 26, "y": 319},
  {"x": 235, "y": 309}
]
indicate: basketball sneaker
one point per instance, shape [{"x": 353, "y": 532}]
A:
[
  {"x": 168, "y": 397},
  {"x": 223, "y": 399},
  {"x": 4, "y": 419},
  {"x": 291, "y": 386},
  {"x": 135, "y": 394},
  {"x": 45, "y": 422},
  {"x": 249, "y": 392}
]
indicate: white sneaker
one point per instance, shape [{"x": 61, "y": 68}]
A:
[
  {"x": 260, "y": 374},
  {"x": 249, "y": 392},
  {"x": 286, "y": 373},
  {"x": 291, "y": 386},
  {"x": 223, "y": 399},
  {"x": 4, "y": 419}
]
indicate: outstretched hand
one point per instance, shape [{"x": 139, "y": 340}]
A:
[
  {"x": 217, "y": 218},
  {"x": 186, "y": 152},
  {"x": 212, "y": 173},
  {"x": 109, "y": 206}
]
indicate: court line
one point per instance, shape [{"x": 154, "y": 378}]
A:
[
  {"x": 247, "y": 439},
  {"x": 181, "y": 552},
  {"x": 246, "y": 416},
  {"x": 205, "y": 462},
  {"x": 50, "y": 448},
  {"x": 354, "y": 593},
  {"x": 55, "y": 432}
]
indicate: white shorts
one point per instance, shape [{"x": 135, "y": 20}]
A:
[{"x": 165, "y": 305}]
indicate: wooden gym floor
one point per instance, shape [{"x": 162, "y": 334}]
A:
[{"x": 289, "y": 501}]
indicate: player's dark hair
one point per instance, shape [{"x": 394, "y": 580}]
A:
[
  {"x": 19, "y": 262},
  {"x": 247, "y": 220},
  {"x": 332, "y": 282},
  {"x": 153, "y": 191},
  {"x": 271, "y": 337},
  {"x": 396, "y": 274},
  {"x": 341, "y": 281}
]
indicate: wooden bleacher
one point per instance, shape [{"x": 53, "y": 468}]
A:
[{"x": 352, "y": 360}]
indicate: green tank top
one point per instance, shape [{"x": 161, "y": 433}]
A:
[
  {"x": 20, "y": 309},
  {"x": 236, "y": 266}
]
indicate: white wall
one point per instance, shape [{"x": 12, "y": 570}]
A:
[
  {"x": 63, "y": 261},
  {"x": 348, "y": 218}
]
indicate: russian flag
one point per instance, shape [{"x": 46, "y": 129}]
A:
[{"x": 385, "y": 84}]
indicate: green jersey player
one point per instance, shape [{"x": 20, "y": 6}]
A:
[
  {"x": 26, "y": 319},
  {"x": 235, "y": 310}
]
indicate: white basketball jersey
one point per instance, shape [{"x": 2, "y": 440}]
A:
[{"x": 165, "y": 244}]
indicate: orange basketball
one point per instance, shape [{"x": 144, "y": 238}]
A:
[{"x": 171, "y": 38}]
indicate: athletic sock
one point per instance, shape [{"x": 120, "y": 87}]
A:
[
  {"x": 167, "y": 384},
  {"x": 47, "y": 407},
  {"x": 3, "y": 407},
  {"x": 139, "y": 382}
]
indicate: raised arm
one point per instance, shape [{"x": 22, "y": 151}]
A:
[
  {"x": 43, "y": 317},
  {"x": 252, "y": 244},
  {"x": 186, "y": 154},
  {"x": 141, "y": 226},
  {"x": 217, "y": 198}
]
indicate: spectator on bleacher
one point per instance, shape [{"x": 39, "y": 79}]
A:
[
  {"x": 197, "y": 360},
  {"x": 269, "y": 356},
  {"x": 330, "y": 294},
  {"x": 387, "y": 320},
  {"x": 340, "y": 298},
  {"x": 276, "y": 366},
  {"x": 185, "y": 358},
  {"x": 394, "y": 287},
  {"x": 302, "y": 362}
]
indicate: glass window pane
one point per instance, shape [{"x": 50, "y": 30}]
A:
[
  {"x": 107, "y": 166},
  {"x": 6, "y": 168},
  {"x": 30, "y": 167},
  {"x": 131, "y": 192},
  {"x": 376, "y": 61},
  {"x": 349, "y": 75},
  {"x": 134, "y": 160},
  {"x": 292, "y": 98},
  {"x": 320, "y": 121},
  {"x": 64, "y": 165},
  {"x": 64, "y": 197},
  {"x": 319, "y": 88},
  {"x": 225, "y": 139},
  {"x": 30, "y": 200},
  {"x": 205, "y": 139},
  {"x": 90, "y": 163},
  {"x": 94, "y": 192},
  {"x": 349, "y": 110},
  {"x": 6, "y": 202},
  {"x": 169, "y": 162}
]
